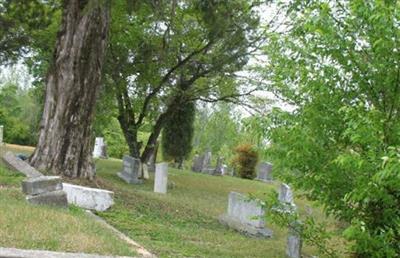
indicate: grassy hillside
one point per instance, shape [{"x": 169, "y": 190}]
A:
[
  {"x": 39, "y": 227},
  {"x": 184, "y": 223}
]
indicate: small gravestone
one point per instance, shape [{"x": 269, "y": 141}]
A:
[
  {"x": 197, "y": 163},
  {"x": 245, "y": 215},
  {"x": 45, "y": 190},
  {"x": 286, "y": 198},
  {"x": 100, "y": 148},
  {"x": 206, "y": 162},
  {"x": 294, "y": 243},
  {"x": 88, "y": 198},
  {"x": 161, "y": 178},
  {"x": 218, "y": 171},
  {"x": 131, "y": 170},
  {"x": 264, "y": 172},
  {"x": 224, "y": 169},
  {"x": 17, "y": 164},
  {"x": 1, "y": 134}
]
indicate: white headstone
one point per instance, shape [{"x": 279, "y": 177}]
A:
[
  {"x": 245, "y": 215},
  {"x": 161, "y": 178},
  {"x": 1, "y": 134},
  {"x": 89, "y": 198},
  {"x": 98, "y": 147},
  {"x": 285, "y": 194}
]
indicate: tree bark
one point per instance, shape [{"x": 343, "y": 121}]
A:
[
  {"x": 73, "y": 82},
  {"x": 151, "y": 144}
]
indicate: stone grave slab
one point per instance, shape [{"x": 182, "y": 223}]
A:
[
  {"x": 89, "y": 198},
  {"x": 100, "y": 148},
  {"x": 42, "y": 184},
  {"x": 285, "y": 197},
  {"x": 264, "y": 172},
  {"x": 131, "y": 170},
  {"x": 246, "y": 216},
  {"x": 161, "y": 178},
  {"x": 55, "y": 198},
  {"x": 17, "y": 164},
  {"x": 294, "y": 242}
]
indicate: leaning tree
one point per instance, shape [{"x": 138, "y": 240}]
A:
[{"x": 72, "y": 86}]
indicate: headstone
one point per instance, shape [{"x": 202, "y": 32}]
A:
[
  {"x": 131, "y": 170},
  {"x": 245, "y": 215},
  {"x": 1, "y": 134},
  {"x": 224, "y": 169},
  {"x": 218, "y": 171},
  {"x": 286, "y": 198},
  {"x": 206, "y": 162},
  {"x": 20, "y": 165},
  {"x": 100, "y": 148},
  {"x": 88, "y": 198},
  {"x": 42, "y": 184},
  {"x": 294, "y": 243},
  {"x": 55, "y": 198},
  {"x": 197, "y": 163},
  {"x": 161, "y": 178},
  {"x": 264, "y": 170}
]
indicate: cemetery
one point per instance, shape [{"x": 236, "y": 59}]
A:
[{"x": 201, "y": 128}]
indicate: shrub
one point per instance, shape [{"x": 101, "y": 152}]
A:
[{"x": 246, "y": 160}]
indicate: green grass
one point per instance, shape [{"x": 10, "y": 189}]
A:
[
  {"x": 40, "y": 227},
  {"x": 184, "y": 223}
]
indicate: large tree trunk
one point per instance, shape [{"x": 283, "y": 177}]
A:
[
  {"x": 73, "y": 82},
  {"x": 151, "y": 144}
]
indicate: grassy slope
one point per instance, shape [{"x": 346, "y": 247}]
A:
[
  {"x": 185, "y": 221},
  {"x": 32, "y": 227}
]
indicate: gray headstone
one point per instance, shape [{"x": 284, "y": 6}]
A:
[
  {"x": 264, "y": 171},
  {"x": 20, "y": 165},
  {"x": 1, "y": 134},
  {"x": 131, "y": 170},
  {"x": 161, "y": 178},
  {"x": 206, "y": 162},
  {"x": 285, "y": 194},
  {"x": 219, "y": 170},
  {"x": 294, "y": 243},
  {"x": 197, "y": 163},
  {"x": 56, "y": 198},
  {"x": 245, "y": 215},
  {"x": 42, "y": 184}
]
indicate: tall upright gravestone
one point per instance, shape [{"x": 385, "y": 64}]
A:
[
  {"x": 264, "y": 172},
  {"x": 100, "y": 148},
  {"x": 294, "y": 242},
  {"x": 1, "y": 134},
  {"x": 131, "y": 170},
  {"x": 161, "y": 178}
]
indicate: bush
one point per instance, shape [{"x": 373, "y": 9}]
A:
[{"x": 246, "y": 160}]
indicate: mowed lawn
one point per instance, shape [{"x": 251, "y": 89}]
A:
[
  {"x": 184, "y": 223},
  {"x": 39, "y": 227}
]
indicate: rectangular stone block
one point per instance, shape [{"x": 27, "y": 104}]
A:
[
  {"x": 88, "y": 198},
  {"x": 245, "y": 216},
  {"x": 285, "y": 194},
  {"x": 264, "y": 171},
  {"x": 161, "y": 178},
  {"x": 42, "y": 184},
  {"x": 56, "y": 198},
  {"x": 131, "y": 170},
  {"x": 17, "y": 164}
]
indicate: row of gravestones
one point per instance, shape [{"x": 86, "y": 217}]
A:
[{"x": 247, "y": 216}]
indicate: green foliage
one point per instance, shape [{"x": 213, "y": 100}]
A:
[
  {"x": 178, "y": 131},
  {"x": 246, "y": 160},
  {"x": 338, "y": 65}
]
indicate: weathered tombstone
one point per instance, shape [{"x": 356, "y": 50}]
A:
[
  {"x": 286, "y": 198},
  {"x": 245, "y": 215},
  {"x": 161, "y": 178},
  {"x": 264, "y": 170},
  {"x": 1, "y": 134},
  {"x": 20, "y": 165},
  {"x": 88, "y": 198},
  {"x": 197, "y": 163},
  {"x": 100, "y": 148},
  {"x": 206, "y": 162},
  {"x": 45, "y": 190},
  {"x": 294, "y": 243},
  {"x": 131, "y": 170},
  {"x": 218, "y": 171},
  {"x": 224, "y": 169}
]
